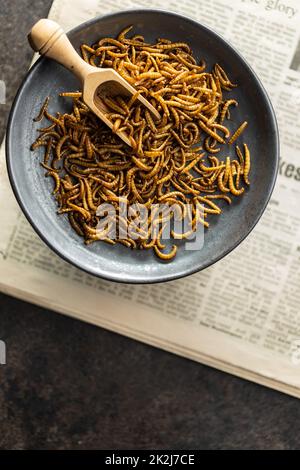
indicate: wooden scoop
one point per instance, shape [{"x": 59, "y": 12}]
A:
[{"x": 49, "y": 39}]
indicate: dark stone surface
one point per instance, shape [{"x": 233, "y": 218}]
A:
[{"x": 69, "y": 385}]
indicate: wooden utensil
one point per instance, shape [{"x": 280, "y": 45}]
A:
[{"x": 49, "y": 39}]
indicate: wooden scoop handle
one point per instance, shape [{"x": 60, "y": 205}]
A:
[{"x": 49, "y": 39}]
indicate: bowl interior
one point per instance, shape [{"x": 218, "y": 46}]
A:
[{"x": 117, "y": 262}]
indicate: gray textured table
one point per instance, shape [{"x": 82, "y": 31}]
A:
[{"x": 69, "y": 385}]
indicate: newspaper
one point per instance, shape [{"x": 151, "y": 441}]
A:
[{"x": 240, "y": 315}]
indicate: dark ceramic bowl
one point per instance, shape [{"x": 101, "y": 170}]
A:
[{"x": 118, "y": 263}]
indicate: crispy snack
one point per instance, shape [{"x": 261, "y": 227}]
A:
[
  {"x": 238, "y": 132},
  {"x": 172, "y": 161}
]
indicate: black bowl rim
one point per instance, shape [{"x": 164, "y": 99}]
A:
[{"x": 166, "y": 277}]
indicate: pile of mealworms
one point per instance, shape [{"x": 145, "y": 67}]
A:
[{"x": 176, "y": 159}]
